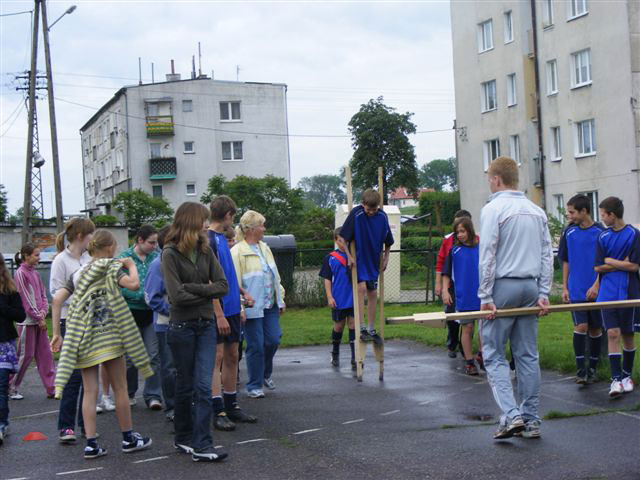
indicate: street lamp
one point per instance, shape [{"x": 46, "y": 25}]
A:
[{"x": 69, "y": 10}]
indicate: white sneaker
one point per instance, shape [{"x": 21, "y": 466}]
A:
[
  {"x": 269, "y": 383},
  {"x": 616, "y": 389},
  {"x": 107, "y": 404},
  {"x": 256, "y": 393},
  {"x": 627, "y": 384},
  {"x": 133, "y": 402},
  {"x": 99, "y": 408},
  {"x": 16, "y": 396}
]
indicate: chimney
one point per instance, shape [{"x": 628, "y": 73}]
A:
[{"x": 173, "y": 76}]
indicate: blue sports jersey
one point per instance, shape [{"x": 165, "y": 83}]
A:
[
  {"x": 231, "y": 301},
  {"x": 341, "y": 289},
  {"x": 618, "y": 285},
  {"x": 462, "y": 266},
  {"x": 578, "y": 249},
  {"x": 370, "y": 235}
]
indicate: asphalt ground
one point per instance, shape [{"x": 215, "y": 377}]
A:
[{"x": 427, "y": 420}]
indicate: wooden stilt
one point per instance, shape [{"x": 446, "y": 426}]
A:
[{"x": 379, "y": 349}]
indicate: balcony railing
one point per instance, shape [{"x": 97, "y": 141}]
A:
[
  {"x": 163, "y": 168},
  {"x": 159, "y": 125}
]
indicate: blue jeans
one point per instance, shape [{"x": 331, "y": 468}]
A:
[
  {"x": 193, "y": 345},
  {"x": 71, "y": 401},
  {"x": 152, "y": 389},
  {"x": 263, "y": 337},
  {"x": 167, "y": 371},
  {"x": 4, "y": 397}
]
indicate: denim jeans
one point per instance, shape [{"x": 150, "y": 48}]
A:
[
  {"x": 4, "y": 397},
  {"x": 193, "y": 345},
  {"x": 152, "y": 388},
  {"x": 167, "y": 371},
  {"x": 263, "y": 337},
  {"x": 71, "y": 401}
]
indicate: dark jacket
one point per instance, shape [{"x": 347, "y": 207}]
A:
[
  {"x": 190, "y": 286},
  {"x": 11, "y": 311}
]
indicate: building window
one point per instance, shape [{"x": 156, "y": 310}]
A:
[
  {"x": 581, "y": 68},
  {"x": 191, "y": 189},
  {"x": 511, "y": 90},
  {"x": 489, "y": 99},
  {"x": 585, "y": 136},
  {"x": 556, "y": 144},
  {"x": 547, "y": 13},
  {"x": 552, "y": 77},
  {"x": 232, "y": 151},
  {"x": 577, "y": 8},
  {"x": 485, "y": 36},
  {"x": 558, "y": 206},
  {"x": 593, "y": 199},
  {"x": 514, "y": 148},
  {"x": 187, "y": 105},
  {"x": 155, "y": 149},
  {"x": 189, "y": 147},
  {"x": 491, "y": 152},
  {"x": 230, "y": 111},
  {"x": 508, "y": 27},
  {"x": 156, "y": 191}
]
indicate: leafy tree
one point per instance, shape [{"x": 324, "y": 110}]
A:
[
  {"x": 4, "y": 212},
  {"x": 104, "y": 220},
  {"x": 324, "y": 191},
  {"x": 379, "y": 139},
  {"x": 442, "y": 205},
  {"x": 138, "y": 208},
  {"x": 316, "y": 224},
  {"x": 440, "y": 174},
  {"x": 16, "y": 218}
]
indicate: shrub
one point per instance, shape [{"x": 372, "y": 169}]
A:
[
  {"x": 443, "y": 205},
  {"x": 104, "y": 220}
]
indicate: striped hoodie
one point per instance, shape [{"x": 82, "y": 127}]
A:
[{"x": 32, "y": 294}]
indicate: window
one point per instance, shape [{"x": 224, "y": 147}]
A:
[
  {"x": 187, "y": 105},
  {"x": 232, "y": 151},
  {"x": 152, "y": 109},
  {"x": 556, "y": 144},
  {"x": 189, "y": 147},
  {"x": 491, "y": 152},
  {"x": 155, "y": 150},
  {"x": 156, "y": 191},
  {"x": 547, "y": 13},
  {"x": 558, "y": 206},
  {"x": 593, "y": 198},
  {"x": 585, "y": 136},
  {"x": 514, "y": 148},
  {"x": 230, "y": 111},
  {"x": 577, "y": 8},
  {"x": 489, "y": 99},
  {"x": 581, "y": 68},
  {"x": 552, "y": 77},
  {"x": 485, "y": 36},
  {"x": 511, "y": 90},
  {"x": 191, "y": 188},
  {"x": 508, "y": 27}
]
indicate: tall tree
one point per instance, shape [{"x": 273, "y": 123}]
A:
[
  {"x": 440, "y": 174},
  {"x": 138, "y": 208},
  {"x": 379, "y": 139},
  {"x": 4, "y": 213},
  {"x": 324, "y": 191}
]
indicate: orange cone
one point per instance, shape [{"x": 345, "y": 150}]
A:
[{"x": 34, "y": 437}]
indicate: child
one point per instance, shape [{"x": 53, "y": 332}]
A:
[
  {"x": 462, "y": 266},
  {"x": 580, "y": 282},
  {"x": 11, "y": 311},
  {"x": 368, "y": 226},
  {"x": 617, "y": 262},
  {"x": 100, "y": 330},
  {"x": 337, "y": 286},
  {"x": 34, "y": 341}
]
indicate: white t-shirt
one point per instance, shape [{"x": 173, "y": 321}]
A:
[{"x": 62, "y": 268}]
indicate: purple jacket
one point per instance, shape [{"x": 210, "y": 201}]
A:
[{"x": 32, "y": 294}]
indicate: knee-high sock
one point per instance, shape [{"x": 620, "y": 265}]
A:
[
  {"x": 352, "y": 339},
  {"x": 336, "y": 338},
  {"x": 627, "y": 361},
  {"x": 595, "y": 344},
  {"x": 579, "y": 344},
  {"x": 615, "y": 359}
]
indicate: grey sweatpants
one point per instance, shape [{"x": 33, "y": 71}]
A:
[{"x": 522, "y": 333}]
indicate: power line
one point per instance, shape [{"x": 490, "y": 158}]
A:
[
  {"x": 12, "y": 122},
  {"x": 20, "y": 103}
]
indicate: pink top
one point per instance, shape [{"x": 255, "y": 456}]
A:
[{"x": 32, "y": 293}]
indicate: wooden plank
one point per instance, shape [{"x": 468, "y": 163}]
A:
[{"x": 379, "y": 349}]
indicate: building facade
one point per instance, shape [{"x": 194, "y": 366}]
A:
[
  {"x": 169, "y": 138},
  {"x": 556, "y": 86}
]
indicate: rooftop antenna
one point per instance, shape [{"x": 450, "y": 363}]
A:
[
  {"x": 199, "y": 61},
  {"x": 152, "y": 76},
  {"x": 237, "y": 73},
  {"x": 173, "y": 70},
  {"x": 193, "y": 67},
  {"x": 139, "y": 70}
]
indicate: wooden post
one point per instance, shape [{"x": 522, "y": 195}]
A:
[{"x": 379, "y": 349}]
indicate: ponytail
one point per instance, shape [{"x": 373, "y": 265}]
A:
[
  {"x": 239, "y": 233},
  {"x": 74, "y": 227},
  {"x": 60, "y": 242}
]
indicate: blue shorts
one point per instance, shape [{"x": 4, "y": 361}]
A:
[
  {"x": 372, "y": 285},
  {"x": 622, "y": 318},
  {"x": 591, "y": 317}
]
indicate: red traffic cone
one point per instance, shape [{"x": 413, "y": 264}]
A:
[{"x": 34, "y": 437}]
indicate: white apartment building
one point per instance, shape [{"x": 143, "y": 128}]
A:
[
  {"x": 587, "y": 121},
  {"x": 169, "y": 138}
]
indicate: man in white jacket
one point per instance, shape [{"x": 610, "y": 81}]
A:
[{"x": 516, "y": 266}]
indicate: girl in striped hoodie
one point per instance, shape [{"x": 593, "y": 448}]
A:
[{"x": 34, "y": 340}]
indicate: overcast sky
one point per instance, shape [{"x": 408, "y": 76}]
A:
[{"x": 333, "y": 56}]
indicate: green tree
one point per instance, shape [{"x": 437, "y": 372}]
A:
[
  {"x": 4, "y": 212},
  {"x": 379, "y": 139},
  {"x": 138, "y": 208},
  {"x": 324, "y": 191},
  {"x": 440, "y": 174},
  {"x": 104, "y": 220},
  {"x": 316, "y": 224},
  {"x": 442, "y": 205}
]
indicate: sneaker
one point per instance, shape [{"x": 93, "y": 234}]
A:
[
  {"x": 107, "y": 403},
  {"x": 1, "y": 436},
  {"x": 132, "y": 401},
  {"x": 237, "y": 415},
  {"x": 169, "y": 415},
  {"x": 627, "y": 384},
  {"x": 99, "y": 408},
  {"x": 67, "y": 435},
  {"x": 182, "y": 447},
  {"x": 268, "y": 382},
  {"x": 581, "y": 377},
  {"x": 480, "y": 361},
  {"x": 452, "y": 354},
  {"x": 155, "y": 405},
  {"x": 591, "y": 376},
  {"x": 617, "y": 389},
  {"x": 365, "y": 336},
  {"x": 508, "y": 430},
  {"x": 137, "y": 443},
  {"x": 209, "y": 455},
  {"x": 531, "y": 430},
  {"x": 221, "y": 422},
  {"x": 470, "y": 369},
  {"x": 16, "y": 396},
  {"x": 255, "y": 393},
  {"x": 377, "y": 339},
  {"x": 94, "y": 452},
  {"x": 4, "y": 430},
  {"x": 335, "y": 359}
]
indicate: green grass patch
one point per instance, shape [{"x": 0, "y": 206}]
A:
[{"x": 557, "y": 415}]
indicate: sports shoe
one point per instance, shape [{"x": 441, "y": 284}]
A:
[
  {"x": 4, "y": 430},
  {"x": 335, "y": 359},
  {"x": 155, "y": 405},
  {"x": 470, "y": 369},
  {"x": 591, "y": 376},
  {"x": 480, "y": 361},
  {"x": 99, "y": 408},
  {"x": 138, "y": 442},
  {"x": 255, "y": 393},
  {"x": 508, "y": 430},
  {"x": 627, "y": 384},
  {"x": 268, "y": 382},
  {"x": 182, "y": 448},
  {"x": 237, "y": 415},
  {"x": 531, "y": 430},
  {"x": 221, "y": 422},
  {"x": 452, "y": 354},
  {"x": 132, "y": 401},
  {"x": 67, "y": 435},
  {"x": 365, "y": 336},
  {"x": 107, "y": 404},
  {"x": 16, "y": 396},
  {"x": 169, "y": 415},
  {"x": 94, "y": 452},
  {"x": 1, "y": 436},
  {"x": 209, "y": 455},
  {"x": 377, "y": 339},
  {"x": 617, "y": 389},
  {"x": 582, "y": 377}
]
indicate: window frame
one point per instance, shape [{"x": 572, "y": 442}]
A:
[
  {"x": 229, "y": 109},
  {"x": 187, "y": 102},
  {"x": 151, "y": 144},
  {"x": 556, "y": 144},
  {"x": 514, "y": 145},
  {"x": 161, "y": 187},
  {"x": 547, "y": 14},
  {"x": 570, "y": 10},
  {"x": 508, "y": 15},
  {"x": 194, "y": 189},
  {"x": 485, "y": 96},
  {"x": 579, "y": 138},
  {"x": 558, "y": 206},
  {"x": 487, "y": 145},
  {"x": 575, "y": 57},
  {"x": 232, "y": 151},
  {"x": 512, "y": 91},
  {"x": 193, "y": 147},
  {"x": 481, "y": 36},
  {"x": 552, "y": 76},
  {"x": 592, "y": 195}
]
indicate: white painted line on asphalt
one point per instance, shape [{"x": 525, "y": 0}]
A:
[
  {"x": 19, "y": 478},
  {"x": 626, "y": 414},
  {"x": 587, "y": 405},
  {"x": 252, "y": 441},
  {"x": 34, "y": 415},
  {"x": 150, "y": 459},
  {"x": 80, "y": 471},
  {"x": 572, "y": 377},
  {"x": 389, "y": 413},
  {"x": 301, "y": 432},
  {"x": 358, "y": 420}
]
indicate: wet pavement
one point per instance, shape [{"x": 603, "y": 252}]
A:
[{"x": 427, "y": 420}]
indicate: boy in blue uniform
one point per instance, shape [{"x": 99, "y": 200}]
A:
[
  {"x": 337, "y": 286},
  {"x": 368, "y": 226},
  {"x": 580, "y": 282},
  {"x": 617, "y": 262}
]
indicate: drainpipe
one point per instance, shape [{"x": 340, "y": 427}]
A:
[
  {"x": 126, "y": 113},
  {"x": 538, "y": 108}
]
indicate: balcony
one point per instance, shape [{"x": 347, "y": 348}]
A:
[
  {"x": 163, "y": 168},
  {"x": 159, "y": 125}
]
